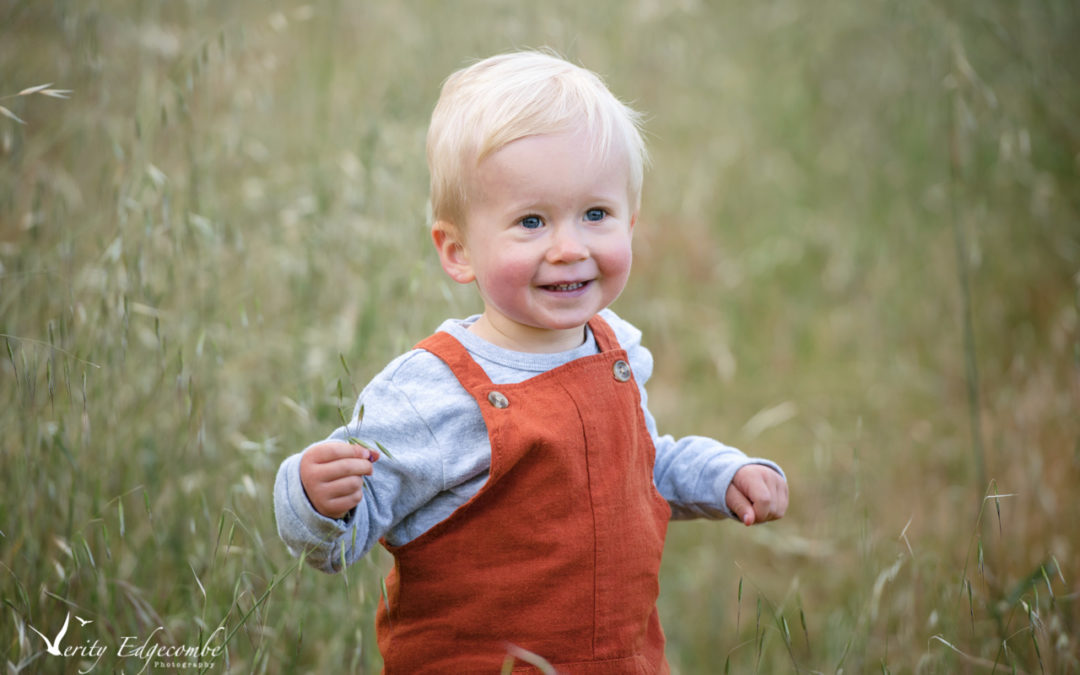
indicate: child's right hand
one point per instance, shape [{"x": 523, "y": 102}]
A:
[{"x": 332, "y": 475}]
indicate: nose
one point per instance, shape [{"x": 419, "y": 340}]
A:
[{"x": 567, "y": 245}]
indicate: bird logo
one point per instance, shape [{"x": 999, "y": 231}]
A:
[{"x": 53, "y": 646}]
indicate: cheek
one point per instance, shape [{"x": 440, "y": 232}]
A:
[
  {"x": 505, "y": 274},
  {"x": 615, "y": 260}
]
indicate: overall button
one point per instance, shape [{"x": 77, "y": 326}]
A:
[
  {"x": 621, "y": 370},
  {"x": 497, "y": 399}
]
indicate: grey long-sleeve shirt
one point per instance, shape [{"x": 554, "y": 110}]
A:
[{"x": 420, "y": 412}]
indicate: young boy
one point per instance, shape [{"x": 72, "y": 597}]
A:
[{"x": 529, "y": 492}]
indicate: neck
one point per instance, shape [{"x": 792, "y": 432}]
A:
[{"x": 520, "y": 338}]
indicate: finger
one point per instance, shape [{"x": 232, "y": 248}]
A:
[
  {"x": 343, "y": 488},
  {"x": 335, "y": 450},
  {"x": 341, "y": 468},
  {"x": 763, "y": 512},
  {"x": 779, "y": 488},
  {"x": 339, "y": 507},
  {"x": 740, "y": 505},
  {"x": 782, "y": 501},
  {"x": 760, "y": 496},
  {"x": 330, "y": 451},
  {"x": 337, "y": 498},
  {"x": 364, "y": 452}
]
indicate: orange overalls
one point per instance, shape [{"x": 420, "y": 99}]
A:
[{"x": 559, "y": 552}]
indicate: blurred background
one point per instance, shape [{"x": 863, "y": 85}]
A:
[{"x": 858, "y": 254}]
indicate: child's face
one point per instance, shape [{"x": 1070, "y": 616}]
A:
[{"x": 546, "y": 238}]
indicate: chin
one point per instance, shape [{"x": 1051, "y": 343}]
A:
[{"x": 568, "y": 323}]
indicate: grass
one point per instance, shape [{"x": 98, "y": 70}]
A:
[{"x": 858, "y": 255}]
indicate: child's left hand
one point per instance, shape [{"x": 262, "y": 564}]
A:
[{"x": 757, "y": 494}]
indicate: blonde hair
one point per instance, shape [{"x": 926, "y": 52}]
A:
[{"x": 511, "y": 96}]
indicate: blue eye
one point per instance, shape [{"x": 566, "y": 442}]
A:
[
  {"x": 595, "y": 215},
  {"x": 531, "y": 222}
]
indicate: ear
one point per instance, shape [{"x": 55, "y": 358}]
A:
[
  {"x": 633, "y": 221},
  {"x": 452, "y": 254}
]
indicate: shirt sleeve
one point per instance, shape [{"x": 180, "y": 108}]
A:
[
  {"x": 693, "y": 472},
  {"x": 399, "y": 485}
]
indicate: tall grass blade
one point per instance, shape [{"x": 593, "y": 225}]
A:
[
  {"x": 960, "y": 245},
  {"x": 383, "y": 450},
  {"x": 34, "y": 89},
  {"x": 531, "y": 658},
  {"x": 198, "y": 582},
  {"x": 738, "y": 606},
  {"x": 10, "y": 115},
  {"x": 802, "y": 620}
]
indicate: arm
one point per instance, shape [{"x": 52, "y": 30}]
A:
[
  {"x": 701, "y": 477},
  {"x": 332, "y": 470},
  {"x": 303, "y": 528}
]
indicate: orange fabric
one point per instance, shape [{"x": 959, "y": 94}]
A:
[{"x": 559, "y": 552}]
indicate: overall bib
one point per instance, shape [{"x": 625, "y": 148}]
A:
[{"x": 559, "y": 552}]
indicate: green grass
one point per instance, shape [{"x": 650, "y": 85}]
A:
[{"x": 861, "y": 217}]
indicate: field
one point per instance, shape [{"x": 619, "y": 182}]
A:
[{"x": 858, "y": 254}]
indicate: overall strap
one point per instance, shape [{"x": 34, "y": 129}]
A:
[
  {"x": 456, "y": 357},
  {"x": 469, "y": 372},
  {"x": 605, "y": 336}
]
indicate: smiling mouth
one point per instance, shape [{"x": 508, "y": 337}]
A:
[{"x": 573, "y": 286}]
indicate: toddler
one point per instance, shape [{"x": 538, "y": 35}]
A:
[{"x": 528, "y": 495}]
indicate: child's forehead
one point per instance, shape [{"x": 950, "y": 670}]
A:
[
  {"x": 551, "y": 168},
  {"x": 580, "y": 144}
]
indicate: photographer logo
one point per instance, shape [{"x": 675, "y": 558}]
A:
[{"x": 151, "y": 651}]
